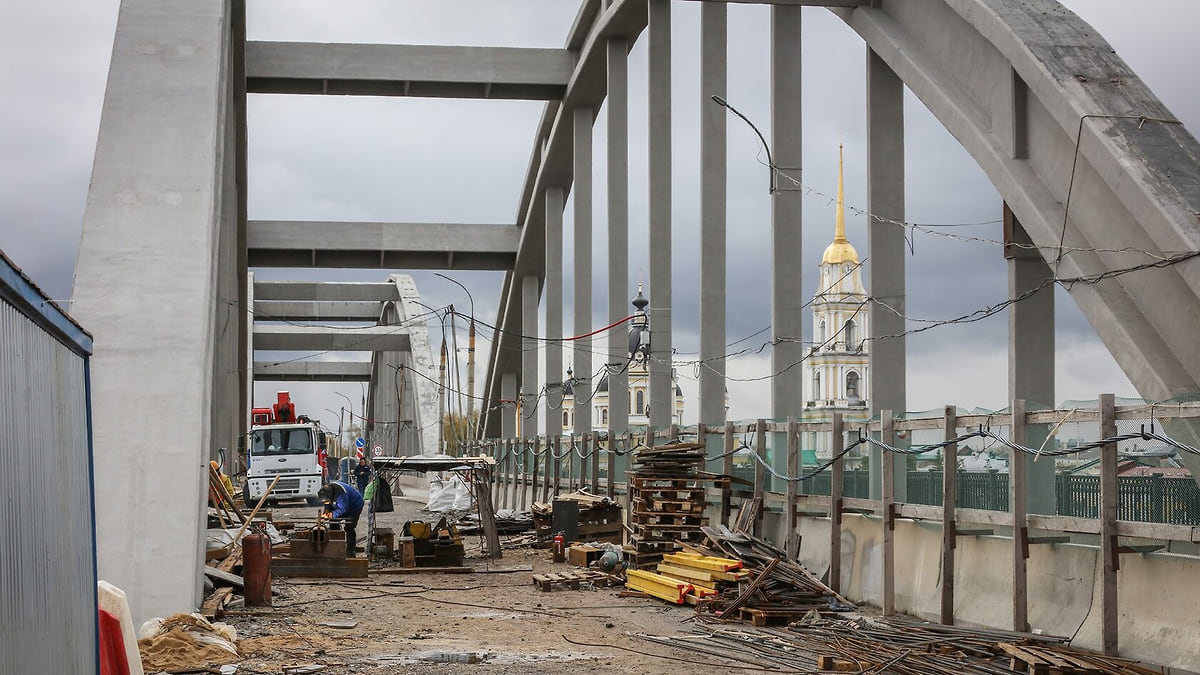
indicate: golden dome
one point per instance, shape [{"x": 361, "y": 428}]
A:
[{"x": 840, "y": 251}]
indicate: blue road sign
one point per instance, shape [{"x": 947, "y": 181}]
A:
[{"x": 360, "y": 443}]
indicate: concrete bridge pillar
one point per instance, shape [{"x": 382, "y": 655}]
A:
[
  {"x": 662, "y": 391},
  {"x": 618, "y": 242},
  {"x": 553, "y": 293},
  {"x": 1031, "y": 353},
  {"x": 787, "y": 298},
  {"x": 582, "y": 349},
  {"x": 885, "y": 245},
  {"x": 714, "y": 29},
  {"x": 529, "y": 356}
]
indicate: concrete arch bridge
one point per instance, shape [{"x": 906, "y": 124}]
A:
[{"x": 1085, "y": 157}]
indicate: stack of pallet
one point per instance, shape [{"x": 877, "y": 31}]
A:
[{"x": 666, "y": 492}]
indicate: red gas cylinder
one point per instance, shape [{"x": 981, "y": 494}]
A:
[
  {"x": 560, "y": 548},
  {"x": 256, "y": 569}
]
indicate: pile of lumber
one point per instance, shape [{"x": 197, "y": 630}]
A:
[
  {"x": 508, "y": 521},
  {"x": 777, "y": 589},
  {"x": 688, "y": 577},
  {"x": 673, "y": 459}
]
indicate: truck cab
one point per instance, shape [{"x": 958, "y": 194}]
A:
[{"x": 291, "y": 450}]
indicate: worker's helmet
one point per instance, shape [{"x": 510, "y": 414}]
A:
[{"x": 326, "y": 493}]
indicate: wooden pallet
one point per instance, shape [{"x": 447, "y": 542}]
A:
[
  {"x": 572, "y": 580},
  {"x": 668, "y": 506},
  {"x": 651, "y": 520},
  {"x": 640, "y": 545},
  {"x": 771, "y": 617},
  {"x": 644, "y": 560}
]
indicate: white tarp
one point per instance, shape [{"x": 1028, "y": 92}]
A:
[{"x": 448, "y": 494}]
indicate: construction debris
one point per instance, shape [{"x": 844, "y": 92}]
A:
[
  {"x": 900, "y": 646},
  {"x": 573, "y": 580}
]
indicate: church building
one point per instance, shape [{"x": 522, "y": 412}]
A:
[{"x": 837, "y": 379}]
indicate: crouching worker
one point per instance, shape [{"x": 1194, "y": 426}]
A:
[{"x": 343, "y": 501}]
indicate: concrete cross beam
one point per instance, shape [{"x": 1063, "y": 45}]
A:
[
  {"x": 313, "y": 371},
  {"x": 277, "y": 243},
  {"x": 319, "y": 338},
  {"x": 314, "y": 310},
  {"x": 798, "y": 3},
  {"x": 331, "y": 291},
  {"x": 407, "y": 70}
]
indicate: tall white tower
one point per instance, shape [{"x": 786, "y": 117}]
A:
[{"x": 837, "y": 376}]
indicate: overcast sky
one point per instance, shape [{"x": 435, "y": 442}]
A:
[{"x": 464, "y": 161}]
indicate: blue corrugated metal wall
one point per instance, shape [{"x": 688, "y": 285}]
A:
[{"x": 47, "y": 559}]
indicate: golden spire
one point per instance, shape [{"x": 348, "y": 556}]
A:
[
  {"x": 840, "y": 251},
  {"x": 839, "y": 230}
]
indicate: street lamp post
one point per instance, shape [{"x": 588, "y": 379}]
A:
[
  {"x": 770, "y": 164},
  {"x": 351, "y": 404},
  {"x": 470, "y": 356}
]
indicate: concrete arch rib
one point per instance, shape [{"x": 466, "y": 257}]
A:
[
  {"x": 1011, "y": 81},
  {"x": 397, "y": 392},
  {"x": 550, "y": 165}
]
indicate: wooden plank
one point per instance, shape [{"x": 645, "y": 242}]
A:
[
  {"x": 594, "y": 444},
  {"x": 835, "y": 506},
  {"x": 223, "y": 577},
  {"x": 760, "y": 473},
  {"x": 215, "y": 603},
  {"x": 487, "y": 512},
  {"x": 585, "y": 446},
  {"x": 1108, "y": 527},
  {"x": 792, "y": 541},
  {"x": 983, "y": 517},
  {"x": 888, "y": 435},
  {"x": 232, "y": 560},
  {"x": 555, "y": 488},
  {"x": 857, "y": 504},
  {"x": 538, "y": 474},
  {"x": 949, "y": 504},
  {"x": 1017, "y": 473}
]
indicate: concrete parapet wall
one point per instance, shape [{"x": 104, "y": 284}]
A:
[{"x": 1158, "y": 594}]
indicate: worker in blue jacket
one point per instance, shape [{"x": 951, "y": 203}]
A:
[{"x": 343, "y": 501}]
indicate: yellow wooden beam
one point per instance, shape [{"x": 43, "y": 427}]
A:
[
  {"x": 666, "y": 588},
  {"x": 702, "y": 562},
  {"x": 684, "y": 573}
]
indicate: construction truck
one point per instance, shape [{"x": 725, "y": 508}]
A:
[{"x": 287, "y": 445}]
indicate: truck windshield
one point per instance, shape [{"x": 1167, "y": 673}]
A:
[{"x": 264, "y": 442}]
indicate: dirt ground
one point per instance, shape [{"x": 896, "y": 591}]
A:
[{"x": 494, "y": 620}]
